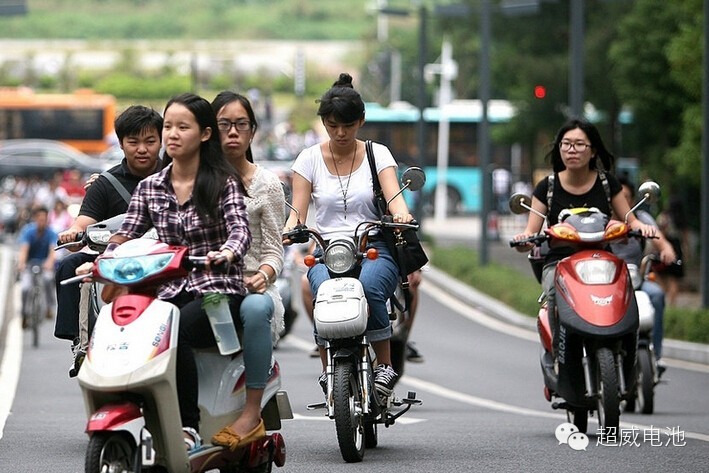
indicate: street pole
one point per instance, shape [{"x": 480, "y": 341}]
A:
[
  {"x": 421, "y": 102},
  {"x": 483, "y": 131},
  {"x": 704, "y": 230},
  {"x": 448, "y": 71},
  {"x": 576, "y": 38}
]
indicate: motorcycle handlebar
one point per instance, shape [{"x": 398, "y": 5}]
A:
[
  {"x": 536, "y": 240},
  {"x": 78, "y": 241}
]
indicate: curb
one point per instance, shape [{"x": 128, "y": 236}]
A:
[{"x": 677, "y": 349}]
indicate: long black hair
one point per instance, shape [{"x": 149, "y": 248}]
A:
[
  {"x": 225, "y": 98},
  {"x": 342, "y": 102},
  {"x": 598, "y": 149},
  {"x": 213, "y": 168}
]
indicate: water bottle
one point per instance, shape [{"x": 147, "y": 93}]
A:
[{"x": 217, "y": 307}]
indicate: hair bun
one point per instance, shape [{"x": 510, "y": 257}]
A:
[{"x": 345, "y": 80}]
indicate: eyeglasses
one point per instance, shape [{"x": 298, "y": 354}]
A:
[
  {"x": 241, "y": 125},
  {"x": 578, "y": 146}
]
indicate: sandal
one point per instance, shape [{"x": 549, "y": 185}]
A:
[{"x": 192, "y": 443}]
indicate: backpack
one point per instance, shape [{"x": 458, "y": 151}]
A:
[{"x": 537, "y": 256}]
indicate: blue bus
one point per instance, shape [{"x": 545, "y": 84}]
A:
[{"x": 396, "y": 126}]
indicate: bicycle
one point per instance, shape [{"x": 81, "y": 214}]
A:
[{"x": 34, "y": 304}]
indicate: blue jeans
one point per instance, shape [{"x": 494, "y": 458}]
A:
[
  {"x": 379, "y": 278},
  {"x": 657, "y": 298},
  {"x": 256, "y": 311}
]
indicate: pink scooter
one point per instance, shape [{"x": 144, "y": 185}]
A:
[{"x": 128, "y": 379}]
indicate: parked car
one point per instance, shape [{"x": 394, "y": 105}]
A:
[{"x": 43, "y": 158}]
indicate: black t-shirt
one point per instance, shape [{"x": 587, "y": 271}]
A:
[
  {"x": 561, "y": 199},
  {"x": 102, "y": 200}
]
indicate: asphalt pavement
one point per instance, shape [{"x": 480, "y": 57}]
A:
[{"x": 466, "y": 230}]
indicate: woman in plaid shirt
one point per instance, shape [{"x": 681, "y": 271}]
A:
[{"x": 196, "y": 201}]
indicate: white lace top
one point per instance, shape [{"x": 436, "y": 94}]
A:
[{"x": 265, "y": 206}]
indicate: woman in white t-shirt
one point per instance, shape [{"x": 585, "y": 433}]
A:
[{"x": 337, "y": 176}]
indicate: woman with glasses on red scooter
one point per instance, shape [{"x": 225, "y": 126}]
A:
[
  {"x": 582, "y": 178},
  {"x": 262, "y": 309},
  {"x": 197, "y": 201}
]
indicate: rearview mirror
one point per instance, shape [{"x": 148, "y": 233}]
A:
[
  {"x": 520, "y": 203},
  {"x": 413, "y": 178}
]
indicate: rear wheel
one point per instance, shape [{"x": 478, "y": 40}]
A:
[
  {"x": 371, "y": 437},
  {"x": 111, "y": 451},
  {"x": 349, "y": 421},
  {"x": 607, "y": 390},
  {"x": 646, "y": 382},
  {"x": 35, "y": 312},
  {"x": 578, "y": 417}
]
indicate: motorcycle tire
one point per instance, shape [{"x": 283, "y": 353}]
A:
[
  {"x": 607, "y": 390},
  {"x": 111, "y": 451},
  {"x": 349, "y": 421},
  {"x": 646, "y": 382},
  {"x": 578, "y": 417},
  {"x": 371, "y": 437}
]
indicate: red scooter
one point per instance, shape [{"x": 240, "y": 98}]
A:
[{"x": 596, "y": 314}]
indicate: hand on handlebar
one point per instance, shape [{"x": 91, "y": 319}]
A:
[
  {"x": 524, "y": 241},
  {"x": 219, "y": 260}
]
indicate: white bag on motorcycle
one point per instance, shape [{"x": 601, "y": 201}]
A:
[{"x": 340, "y": 308}]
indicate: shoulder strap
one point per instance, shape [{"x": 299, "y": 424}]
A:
[
  {"x": 118, "y": 186},
  {"x": 372, "y": 167},
  {"x": 606, "y": 187},
  {"x": 550, "y": 191}
]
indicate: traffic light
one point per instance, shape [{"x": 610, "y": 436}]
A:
[{"x": 540, "y": 92}]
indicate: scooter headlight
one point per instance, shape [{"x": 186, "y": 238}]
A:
[
  {"x": 596, "y": 271},
  {"x": 133, "y": 269},
  {"x": 340, "y": 256}
]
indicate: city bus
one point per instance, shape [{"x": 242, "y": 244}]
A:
[
  {"x": 396, "y": 126},
  {"x": 82, "y": 119}
]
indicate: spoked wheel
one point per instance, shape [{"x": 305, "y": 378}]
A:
[
  {"x": 578, "y": 417},
  {"x": 111, "y": 452},
  {"x": 646, "y": 382},
  {"x": 607, "y": 389},
  {"x": 349, "y": 421}
]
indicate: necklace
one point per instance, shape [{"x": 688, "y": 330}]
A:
[{"x": 345, "y": 188}]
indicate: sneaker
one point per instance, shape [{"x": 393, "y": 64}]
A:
[
  {"x": 78, "y": 354},
  {"x": 412, "y": 354},
  {"x": 322, "y": 381},
  {"x": 384, "y": 379},
  {"x": 661, "y": 367}
]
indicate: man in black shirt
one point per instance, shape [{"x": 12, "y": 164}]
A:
[{"x": 139, "y": 131}]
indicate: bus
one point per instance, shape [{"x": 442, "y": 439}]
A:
[
  {"x": 82, "y": 119},
  {"x": 397, "y": 125}
]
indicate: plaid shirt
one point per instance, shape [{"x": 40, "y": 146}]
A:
[{"x": 154, "y": 204}]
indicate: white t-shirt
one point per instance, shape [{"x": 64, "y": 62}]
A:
[{"x": 327, "y": 190}]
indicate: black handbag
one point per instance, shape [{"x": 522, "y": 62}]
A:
[{"x": 404, "y": 246}]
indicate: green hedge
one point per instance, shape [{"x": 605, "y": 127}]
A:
[{"x": 521, "y": 292}]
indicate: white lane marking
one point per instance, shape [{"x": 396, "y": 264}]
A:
[
  {"x": 10, "y": 367},
  {"x": 401, "y": 420},
  {"x": 441, "y": 391},
  {"x": 477, "y": 316},
  {"x": 492, "y": 323},
  {"x": 444, "y": 392}
]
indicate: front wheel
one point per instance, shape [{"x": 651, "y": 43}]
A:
[
  {"x": 349, "y": 419},
  {"x": 607, "y": 390},
  {"x": 111, "y": 451},
  {"x": 646, "y": 382}
]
